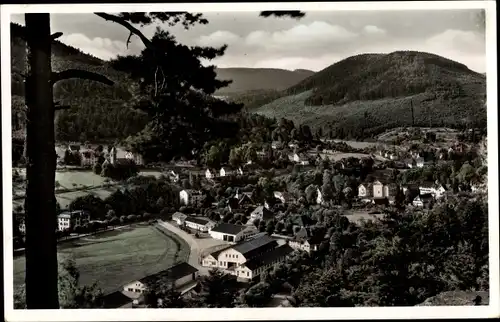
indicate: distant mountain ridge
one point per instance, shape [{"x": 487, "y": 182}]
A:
[
  {"x": 99, "y": 108},
  {"x": 258, "y": 79},
  {"x": 363, "y": 95}
]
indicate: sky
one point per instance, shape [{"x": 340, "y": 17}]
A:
[{"x": 314, "y": 42}]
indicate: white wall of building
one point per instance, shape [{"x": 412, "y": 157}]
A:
[
  {"x": 184, "y": 197},
  {"x": 362, "y": 191},
  {"x": 378, "y": 191},
  {"x": 136, "y": 287}
]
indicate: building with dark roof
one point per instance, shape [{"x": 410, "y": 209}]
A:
[
  {"x": 251, "y": 247},
  {"x": 178, "y": 275},
  {"x": 306, "y": 241},
  {"x": 267, "y": 259},
  {"x": 246, "y": 260},
  {"x": 231, "y": 232}
]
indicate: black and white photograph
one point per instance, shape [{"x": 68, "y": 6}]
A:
[{"x": 286, "y": 156}]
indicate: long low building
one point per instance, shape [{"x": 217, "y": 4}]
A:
[
  {"x": 247, "y": 260},
  {"x": 232, "y": 233},
  {"x": 201, "y": 224}
]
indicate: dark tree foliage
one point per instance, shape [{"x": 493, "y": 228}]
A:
[
  {"x": 364, "y": 95},
  {"x": 175, "y": 90}
]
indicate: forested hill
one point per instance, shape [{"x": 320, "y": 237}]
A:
[
  {"x": 257, "y": 79},
  {"x": 363, "y": 95},
  {"x": 97, "y": 110}
]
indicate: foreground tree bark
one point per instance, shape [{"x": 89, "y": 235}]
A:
[{"x": 41, "y": 242}]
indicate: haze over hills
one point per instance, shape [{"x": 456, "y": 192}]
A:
[
  {"x": 98, "y": 108},
  {"x": 258, "y": 79},
  {"x": 363, "y": 95},
  {"x": 357, "y": 97}
]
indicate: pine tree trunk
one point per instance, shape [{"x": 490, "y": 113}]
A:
[{"x": 41, "y": 243}]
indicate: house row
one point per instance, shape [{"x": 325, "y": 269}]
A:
[
  {"x": 389, "y": 155},
  {"x": 224, "y": 171},
  {"x": 247, "y": 260},
  {"x": 376, "y": 191},
  {"x": 89, "y": 156},
  {"x": 303, "y": 240},
  {"x": 182, "y": 277}
]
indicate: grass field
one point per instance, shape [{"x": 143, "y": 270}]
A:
[
  {"x": 115, "y": 258},
  {"x": 84, "y": 180}
]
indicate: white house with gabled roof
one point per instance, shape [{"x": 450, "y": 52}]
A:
[{"x": 209, "y": 174}]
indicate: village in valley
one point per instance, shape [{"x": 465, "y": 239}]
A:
[
  {"x": 362, "y": 184},
  {"x": 245, "y": 218}
]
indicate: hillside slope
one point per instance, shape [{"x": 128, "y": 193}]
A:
[
  {"x": 252, "y": 79},
  {"x": 97, "y": 110},
  {"x": 363, "y": 95}
]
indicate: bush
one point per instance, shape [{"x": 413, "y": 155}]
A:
[
  {"x": 165, "y": 214},
  {"x": 97, "y": 168},
  {"x": 120, "y": 171}
]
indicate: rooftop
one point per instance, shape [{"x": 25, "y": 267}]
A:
[
  {"x": 250, "y": 247},
  {"x": 229, "y": 229},
  {"x": 177, "y": 215},
  {"x": 268, "y": 257},
  {"x": 199, "y": 221}
]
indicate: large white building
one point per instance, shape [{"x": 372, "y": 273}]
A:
[
  {"x": 68, "y": 220},
  {"x": 248, "y": 259},
  {"x": 232, "y": 233}
]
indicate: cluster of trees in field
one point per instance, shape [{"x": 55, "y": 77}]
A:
[{"x": 144, "y": 195}]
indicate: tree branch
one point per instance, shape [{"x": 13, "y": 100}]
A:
[
  {"x": 58, "y": 106},
  {"x": 124, "y": 23},
  {"x": 82, "y": 74}
]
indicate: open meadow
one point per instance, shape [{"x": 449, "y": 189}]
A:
[
  {"x": 84, "y": 181},
  {"x": 114, "y": 258}
]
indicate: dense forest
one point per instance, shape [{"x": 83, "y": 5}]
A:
[
  {"x": 98, "y": 112},
  {"x": 364, "y": 95}
]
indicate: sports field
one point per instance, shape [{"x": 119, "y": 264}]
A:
[{"x": 115, "y": 258}]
